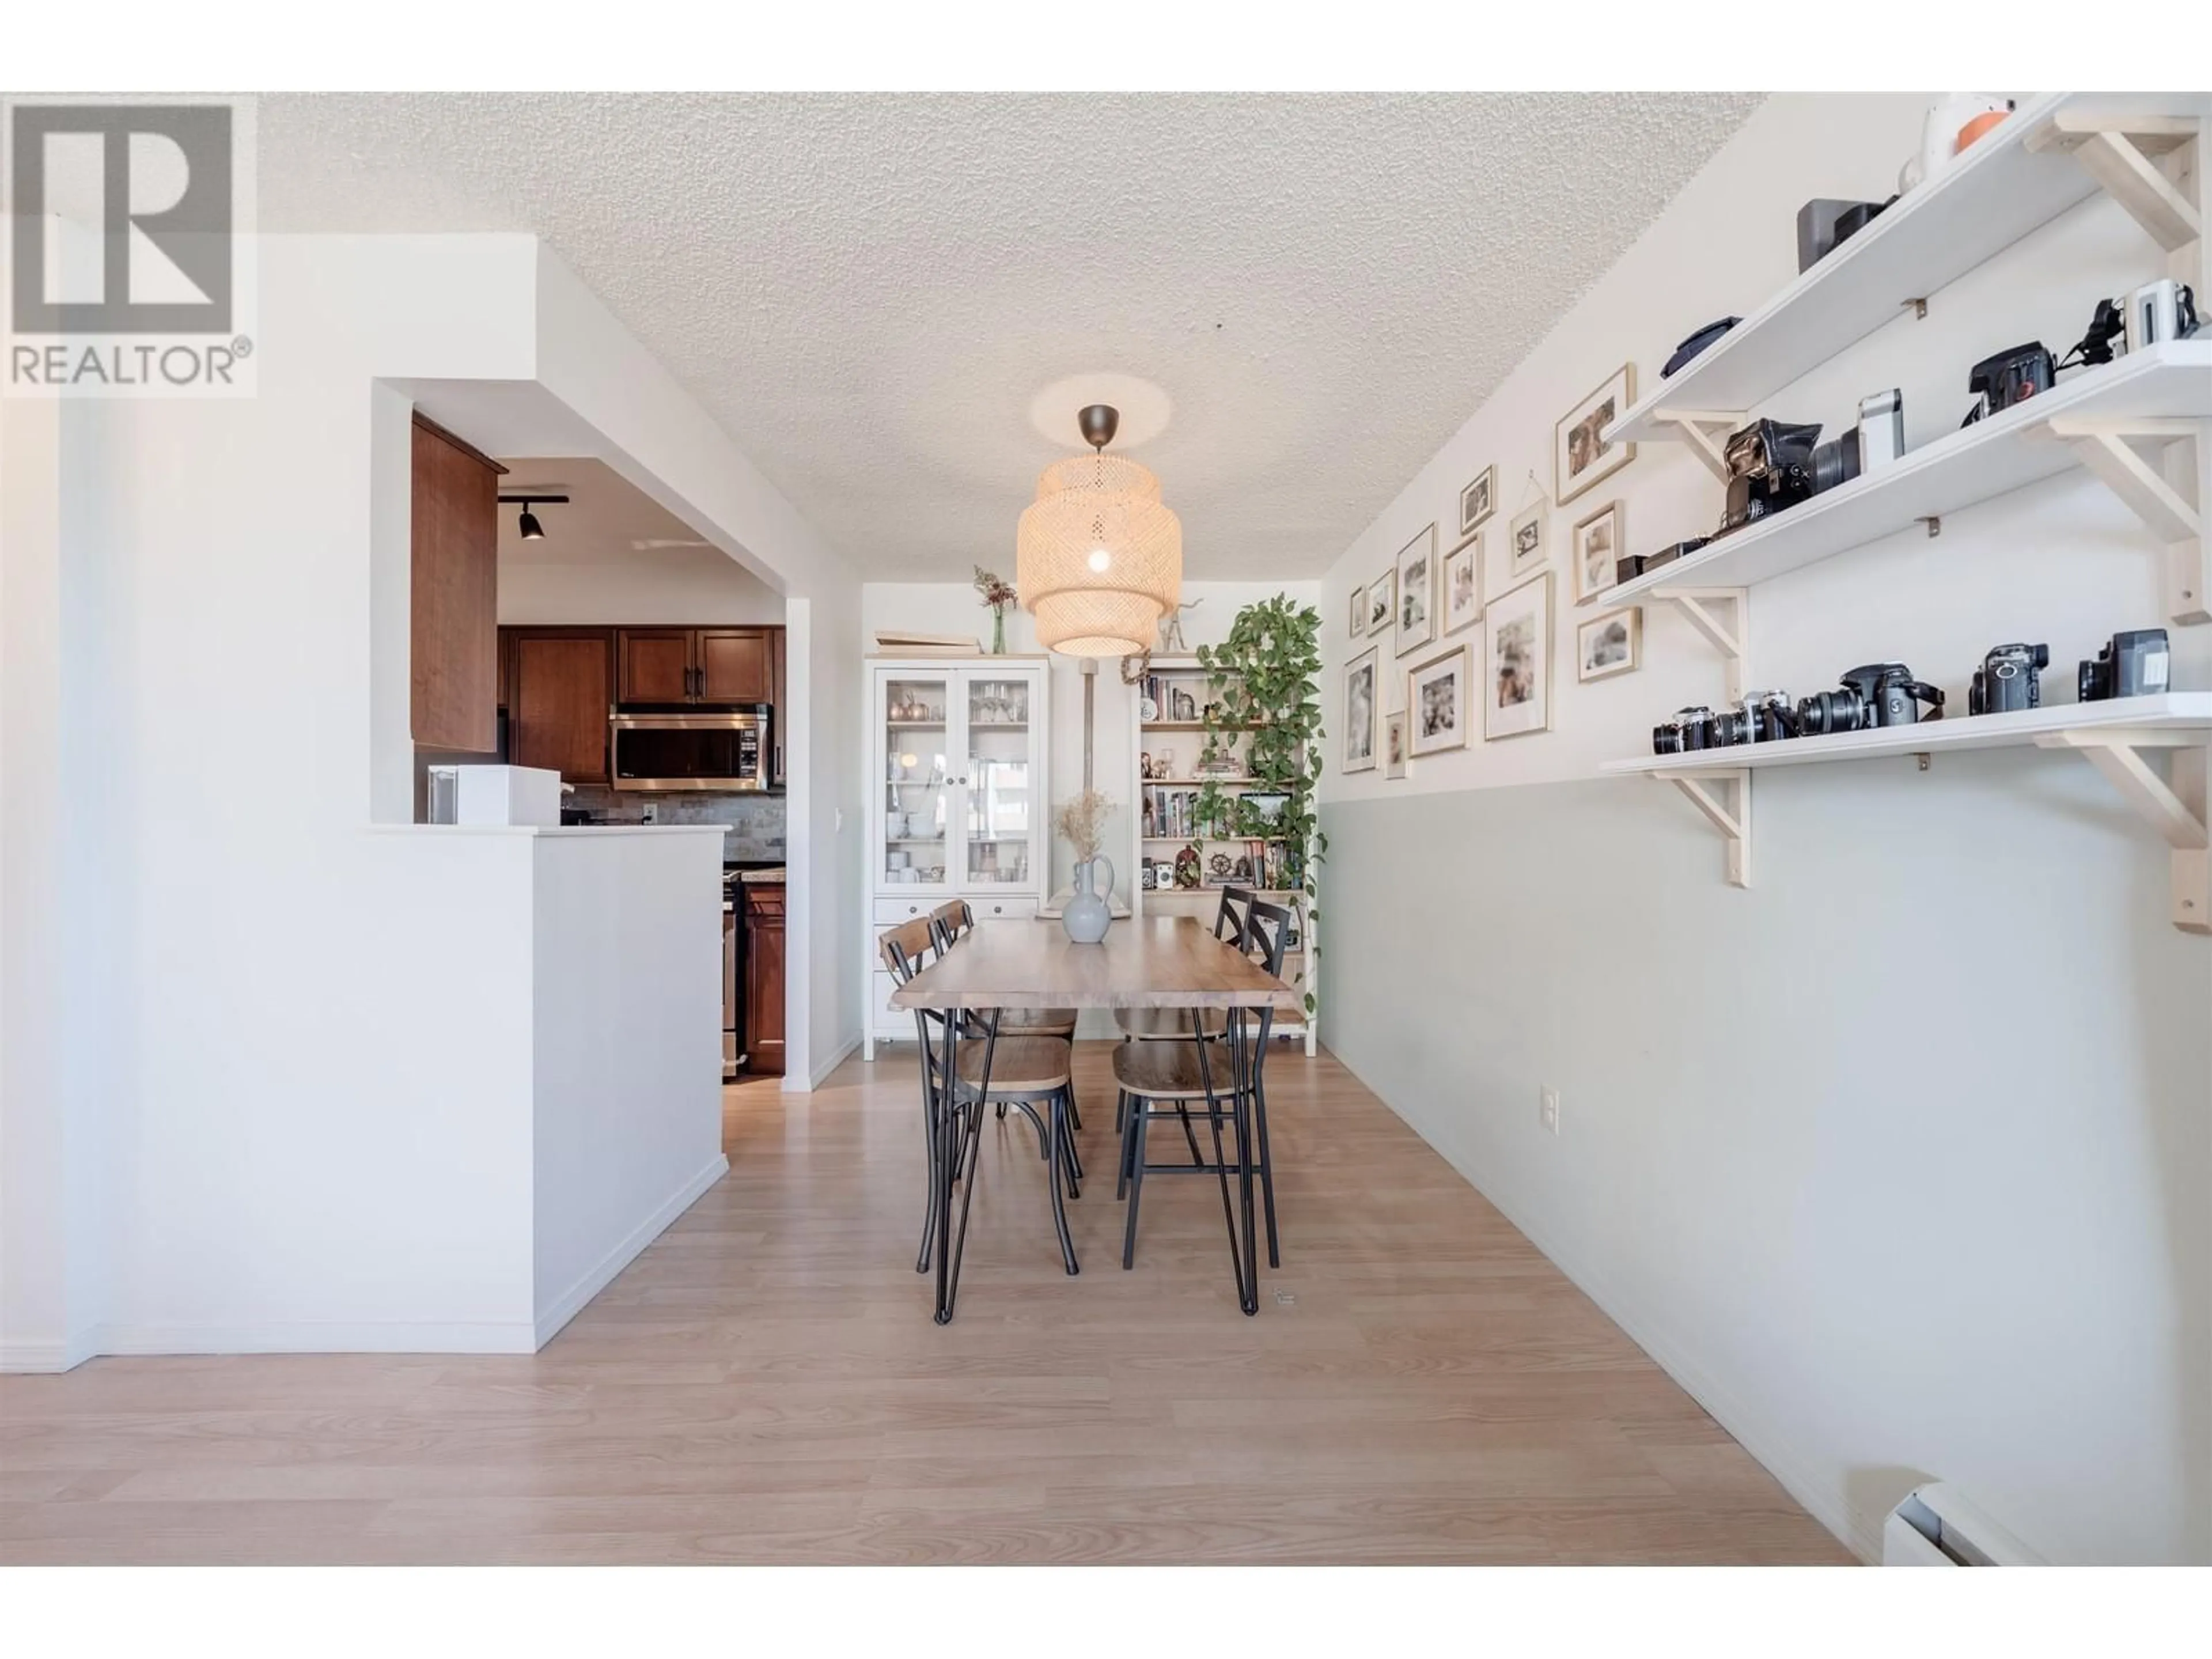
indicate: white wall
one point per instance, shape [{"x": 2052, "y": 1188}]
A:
[
  {"x": 702, "y": 586},
  {"x": 294, "y": 1057},
  {"x": 1898, "y": 1159}
]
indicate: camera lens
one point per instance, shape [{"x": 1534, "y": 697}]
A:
[
  {"x": 1830, "y": 711},
  {"x": 1836, "y": 463},
  {"x": 1667, "y": 737}
]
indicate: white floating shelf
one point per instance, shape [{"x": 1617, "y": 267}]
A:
[
  {"x": 1958, "y": 469},
  {"x": 2002, "y": 189},
  {"x": 2177, "y": 712}
]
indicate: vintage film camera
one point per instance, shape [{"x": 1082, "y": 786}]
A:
[
  {"x": 2006, "y": 681},
  {"x": 1633, "y": 565},
  {"x": 1877, "y": 693},
  {"x": 2009, "y": 377},
  {"x": 1684, "y": 730},
  {"x": 1761, "y": 717},
  {"x": 2135, "y": 664},
  {"x": 1775, "y": 465}
]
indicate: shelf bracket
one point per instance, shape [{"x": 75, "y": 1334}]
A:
[
  {"x": 1731, "y": 816},
  {"x": 1731, "y": 638},
  {"x": 2122, "y": 154},
  {"x": 2176, "y": 810},
  {"x": 2166, "y": 498},
  {"x": 1703, "y": 430}
]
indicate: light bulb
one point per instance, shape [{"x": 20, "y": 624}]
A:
[
  {"x": 1100, "y": 558},
  {"x": 909, "y": 761}
]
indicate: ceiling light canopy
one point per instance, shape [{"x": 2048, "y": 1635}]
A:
[{"x": 1097, "y": 558}]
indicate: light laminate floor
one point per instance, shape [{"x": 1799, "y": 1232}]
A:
[{"x": 764, "y": 1385}]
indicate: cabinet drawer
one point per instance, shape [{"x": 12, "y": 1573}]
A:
[
  {"x": 890, "y": 912},
  {"x": 1003, "y": 909}
]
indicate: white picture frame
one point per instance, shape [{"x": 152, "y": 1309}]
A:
[
  {"x": 1516, "y": 654},
  {"x": 1359, "y": 611},
  {"x": 1362, "y": 697},
  {"x": 1525, "y": 551},
  {"x": 1394, "y": 758},
  {"x": 1460, "y": 586},
  {"x": 1581, "y": 459},
  {"x": 1592, "y": 546},
  {"x": 1382, "y": 602},
  {"x": 1478, "y": 499},
  {"x": 1609, "y": 643},
  {"x": 1437, "y": 707},
  {"x": 1415, "y": 572}
]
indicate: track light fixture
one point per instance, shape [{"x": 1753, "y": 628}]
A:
[{"x": 527, "y": 524}]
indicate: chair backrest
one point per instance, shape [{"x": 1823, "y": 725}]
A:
[
  {"x": 949, "y": 923},
  {"x": 901, "y": 947},
  {"x": 1229, "y": 921},
  {"x": 1266, "y": 937}
]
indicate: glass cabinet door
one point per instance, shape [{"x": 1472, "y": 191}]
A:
[
  {"x": 917, "y": 790},
  {"x": 1004, "y": 813}
]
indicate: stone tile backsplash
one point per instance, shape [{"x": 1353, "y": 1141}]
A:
[{"x": 754, "y": 823}]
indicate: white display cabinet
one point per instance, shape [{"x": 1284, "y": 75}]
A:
[{"x": 958, "y": 774}]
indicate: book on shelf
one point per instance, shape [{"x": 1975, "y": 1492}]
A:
[{"x": 901, "y": 642}]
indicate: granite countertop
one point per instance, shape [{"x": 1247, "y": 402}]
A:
[{"x": 773, "y": 878}]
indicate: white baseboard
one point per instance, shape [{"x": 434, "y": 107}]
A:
[
  {"x": 58, "y": 1354},
  {"x": 1823, "y": 1500},
  {"x": 313, "y": 1336},
  {"x": 570, "y": 1303},
  {"x": 795, "y": 1084}
]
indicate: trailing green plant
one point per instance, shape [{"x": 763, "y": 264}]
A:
[{"x": 1264, "y": 686}]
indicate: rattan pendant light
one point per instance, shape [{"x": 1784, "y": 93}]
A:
[{"x": 1097, "y": 558}]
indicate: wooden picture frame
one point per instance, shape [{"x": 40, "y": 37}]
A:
[
  {"x": 1516, "y": 656},
  {"x": 1593, "y": 547},
  {"x": 1460, "y": 586},
  {"x": 1581, "y": 459},
  {"x": 1359, "y": 611},
  {"x": 1394, "y": 758},
  {"x": 1525, "y": 551},
  {"x": 1416, "y": 573},
  {"x": 1382, "y": 602},
  {"x": 1438, "y": 709},
  {"x": 1609, "y": 644},
  {"x": 1478, "y": 499},
  {"x": 1363, "y": 692}
]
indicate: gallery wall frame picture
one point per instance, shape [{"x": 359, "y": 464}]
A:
[
  {"x": 1416, "y": 574},
  {"x": 1438, "y": 702},
  {"x": 1581, "y": 459},
  {"x": 1609, "y": 644},
  {"x": 1478, "y": 499},
  {"x": 1594, "y": 546},
  {"x": 1361, "y": 699},
  {"x": 1383, "y": 601},
  {"x": 1460, "y": 584},
  {"x": 1525, "y": 552},
  {"x": 1359, "y": 611},
  {"x": 1516, "y": 653},
  {"x": 1395, "y": 760}
]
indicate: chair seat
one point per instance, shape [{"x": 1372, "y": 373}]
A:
[
  {"x": 1167, "y": 1024},
  {"x": 1037, "y": 1022},
  {"x": 1169, "y": 1070},
  {"x": 1019, "y": 1065}
]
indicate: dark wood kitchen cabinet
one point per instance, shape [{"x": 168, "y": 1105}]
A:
[
  {"x": 453, "y": 594},
  {"x": 697, "y": 664},
  {"x": 763, "y": 953},
  {"x": 778, "y": 694},
  {"x": 560, "y": 692}
]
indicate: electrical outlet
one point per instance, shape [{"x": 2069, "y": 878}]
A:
[
  {"x": 651, "y": 812},
  {"x": 1547, "y": 1108}
]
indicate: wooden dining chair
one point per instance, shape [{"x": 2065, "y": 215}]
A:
[
  {"x": 1033, "y": 1074},
  {"x": 1226, "y": 1079}
]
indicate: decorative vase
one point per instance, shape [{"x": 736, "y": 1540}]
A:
[
  {"x": 998, "y": 631},
  {"x": 1088, "y": 914}
]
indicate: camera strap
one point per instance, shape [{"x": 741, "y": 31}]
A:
[{"x": 1930, "y": 695}]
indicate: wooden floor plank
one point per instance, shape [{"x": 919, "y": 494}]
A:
[{"x": 765, "y": 1384}]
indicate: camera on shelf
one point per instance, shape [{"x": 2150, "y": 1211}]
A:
[
  {"x": 2006, "y": 681},
  {"x": 2009, "y": 377},
  {"x": 1775, "y": 465},
  {"x": 1684, "y": 730},
  {"x": 1876, "y": 695},
  {"x": 1825, "y": 224},
  {"x": 1762, "y": 717},
  {"x": 1630, "y": 566},
  {"x": 2135, "y": 664}
]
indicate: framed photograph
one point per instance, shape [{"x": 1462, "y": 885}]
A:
[
  {"x": 1359, "y": 611},
  {"x": 1383, "y": 601},
  {"x": 1462, "y": 600},
  {"x": 1394, "y": 744},
  {"x": 1475, "y": 500},
  {"x": 1597, "y": 541},
  {"x": 1437, "y": 707},
  {"x": 1265, "y": 805},
  {"x": 1580, "y": 455},
  {"x": 1526, "y": 553},
  {"x": 1609, "y": 644},
  {"x": 1517, "y": 635},
  {"x": 1359, "y": 705},
  {"x": 1417, "y": 591}
]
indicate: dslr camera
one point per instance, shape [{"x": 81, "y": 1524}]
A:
[
  {"x": 2006, "y": 681},
  {"x": 1774, "y": 464},
  {"x": 1878, "y": 694},
  {"x": 2132, "y": 665}
]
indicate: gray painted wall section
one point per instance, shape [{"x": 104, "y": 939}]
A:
[{"x": 1949, "y": 1025}]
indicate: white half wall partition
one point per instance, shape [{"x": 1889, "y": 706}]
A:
[{"x": 280, "y": 1067}]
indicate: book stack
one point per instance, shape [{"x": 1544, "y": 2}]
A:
[{"x": 903, "y": 642}]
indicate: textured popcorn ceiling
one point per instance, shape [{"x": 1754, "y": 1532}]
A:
[{"x": 868, "y": 291}]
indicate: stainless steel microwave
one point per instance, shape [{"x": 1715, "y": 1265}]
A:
[{"x": 721, "y": 751}]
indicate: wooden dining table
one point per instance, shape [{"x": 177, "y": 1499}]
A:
[{"x": 1145, "y": 961}]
